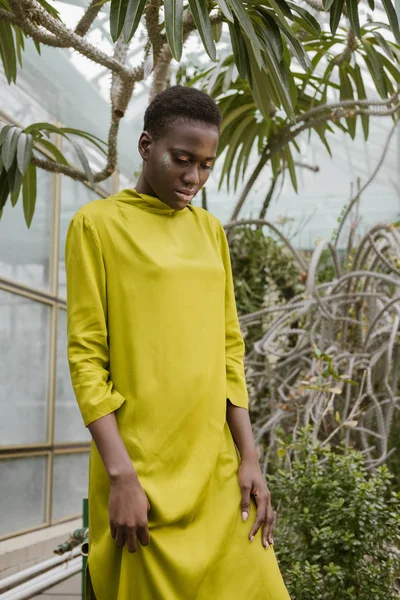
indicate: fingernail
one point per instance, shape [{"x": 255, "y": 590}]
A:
[
  {"x": 245, "y": 514},
  {"x": 252, "y": 538},
  {"x": 266, "y": 545}
]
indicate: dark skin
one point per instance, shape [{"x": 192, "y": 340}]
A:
[{"x": 175, "y": 167}]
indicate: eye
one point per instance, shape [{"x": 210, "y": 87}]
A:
[
  {"x": 182, "y": 161},
  {"x": 207, "y": 166}
]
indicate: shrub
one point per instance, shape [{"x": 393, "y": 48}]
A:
[{"x": 338, "y": 524}]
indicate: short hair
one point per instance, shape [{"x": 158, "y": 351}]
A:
[{"x": 179, "y": 102}]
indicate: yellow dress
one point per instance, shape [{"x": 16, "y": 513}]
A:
[{"x": 153, "y": 335}]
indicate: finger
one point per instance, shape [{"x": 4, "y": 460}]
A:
[
  {"x": 264, "y": 534},
  {"x": 113, "y": 530},
  {"x": 269, "y": 523},
  {"x": 144, "y": 535},
  {"x": 120, "y": 537},
  {"x": 131, "y": 540},
  {"x": 260, "y": 517},
  {"x": 245, "y": 501}
]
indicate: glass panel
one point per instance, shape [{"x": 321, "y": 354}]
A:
[
  {"x": 69, "y": 426},
  {"x": 74, "y": 194},
  {"x": 25, "y": 253},
  {"x": 70, "y": 484},
  {"x": 24, "y": 365},
  {"x": 22, "y": 498}
]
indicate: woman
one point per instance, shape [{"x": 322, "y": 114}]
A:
[{"x": 176, "y": 510}]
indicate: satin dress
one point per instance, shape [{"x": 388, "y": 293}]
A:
[{"x": 153, "y": 335}]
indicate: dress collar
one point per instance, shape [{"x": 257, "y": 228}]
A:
[{"x": 146, "y": 202}]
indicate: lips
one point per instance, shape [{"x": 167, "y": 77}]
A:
[{"x": 185, "y": 195}]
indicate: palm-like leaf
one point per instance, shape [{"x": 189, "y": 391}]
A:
[{"x": 17, "y": 171}]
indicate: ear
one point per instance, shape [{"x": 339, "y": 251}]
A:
[{"x": 144, "y": 144}]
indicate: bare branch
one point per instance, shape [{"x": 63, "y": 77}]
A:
[
  {"x": 367, "y": 183},
  {"x": 315, "y": 4},
  {"x": 88, "y": 18},
  {"x": 351, "y": 46},
  {"x": 67, "y": 38}
]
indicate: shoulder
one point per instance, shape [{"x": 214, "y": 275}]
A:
[
  {"x": 95, "y": 211},
  {"x": 209, "y": 219}
]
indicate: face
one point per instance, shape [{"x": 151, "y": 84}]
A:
[{"x": 176, "y": 166}]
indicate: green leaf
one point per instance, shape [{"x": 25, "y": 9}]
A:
[
  {"x": 239, "y": 50},
  {"x": 174, "y": 26},
  {"x": 19, "y": 44},
  {"x": 133, "y": 15},
  {"x": 374, "y": 64},
  {"x": 216, "y": 29},
  {"x": 117, "y": 17},
  {"x": 93, "y": 139},
  {"x": 358, "y": 80},
  {"x": 24, "y": 151},
  {"x": 336, "y": 15},
  {"x": 245, "y": 22},
  {"x": 258, "y": 84},
  {"x": 272, "y": 33},
  {"x": 291, "y": 167},
  {"x": 7, "y": 51},
  {"x": 9, "y": 146},
  {"x": 327, "y": 4},
  {"x": 352, "y": 13},
  {"x": 226, "y": 11},
  {"x": 4, "y": 188},
  {"x": 236, "y": 113},
  {"x": 234, "y": 143},
  {"x": 248, "y": 138},
  {"x": 14, "y": 177},
  {"x": 202, "y": 19},
  {"x": 42, "y": 126},
  {"x": 311, "y": 23},
  {"x": 83, "y": 160},
  {"x": 346, "y": 93},
  {"x": 57, "y": 154},
  {"x": 297, "y": 49},
  {"x": 4, "y": 128},
  {"x": 384, "y": 44},
  {"x": 393, "y": 20},
  {"x": 29, "y": 193},
  {"x": 50, "y": 9}
]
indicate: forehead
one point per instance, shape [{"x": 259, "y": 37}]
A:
[{"x": 197, "y": 138}]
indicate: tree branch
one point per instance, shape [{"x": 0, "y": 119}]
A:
[
  {"x": 351, "y": 46},
  {"x": 315, "y": 116},
  {"x": 88, "y": 18},
  {"x": 19, "y": 19},
  {"x": 66, "y": 38}
]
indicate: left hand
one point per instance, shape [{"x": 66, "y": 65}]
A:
[{"x": 252, "y": 483}]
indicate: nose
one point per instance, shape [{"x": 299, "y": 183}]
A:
[{"x": 191, "y": 175}]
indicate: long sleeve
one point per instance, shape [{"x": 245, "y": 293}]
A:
[
  {"x": 236, "y": 390},
  {"x": 88, "y": 352}
]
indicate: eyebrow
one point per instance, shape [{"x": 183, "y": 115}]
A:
[{"x": 182, "y": 151}]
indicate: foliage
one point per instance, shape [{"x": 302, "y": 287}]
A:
[
  {"x": 18, "y": 160},
  {"x": 283, "y": 66},
  {"x": 337, "y": 63},
  {"x": 264, "y": 272},
  {"x": 338, "y": 530}
]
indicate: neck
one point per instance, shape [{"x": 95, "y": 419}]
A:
[{"x": 143, "y": 187}]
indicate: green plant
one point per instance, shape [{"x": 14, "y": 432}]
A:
[
  {"x": 339, "y": 525},
  {"x": 264, "y": 272},
  {"x": 282, "y": 69}
]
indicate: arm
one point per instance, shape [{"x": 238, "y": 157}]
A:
[
  {"x": 250, "y": 477},
  {"x": 88, "y": 356}
]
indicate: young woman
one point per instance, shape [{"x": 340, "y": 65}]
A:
[{"x": 178, "y": 506}]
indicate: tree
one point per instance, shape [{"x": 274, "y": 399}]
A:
[{"x": 275, "y": 45}]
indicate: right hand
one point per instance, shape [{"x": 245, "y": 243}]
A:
[{"x": 128, "y": 507}]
